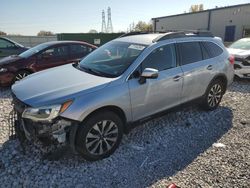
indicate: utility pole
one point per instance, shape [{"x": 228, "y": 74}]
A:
[{"x": 110, "y": 26}]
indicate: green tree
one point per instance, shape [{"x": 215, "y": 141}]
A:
[{"x": 143, "y": 26}]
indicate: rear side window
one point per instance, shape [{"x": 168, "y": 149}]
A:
[
  {"x": 190, "y": 52},
  {"x": 161, "y": 58},
  {"x": 79, "y": 49},
  {"x": 212, "y": 49}
]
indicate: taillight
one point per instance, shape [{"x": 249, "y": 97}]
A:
[{"x": 231, "y": 59}]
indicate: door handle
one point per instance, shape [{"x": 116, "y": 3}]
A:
[
  {"x": 209, "y": 67},
  {"x": 177, "y": 78}
]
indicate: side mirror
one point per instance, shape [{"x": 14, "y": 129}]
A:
[{"x": 148, "y": 73}]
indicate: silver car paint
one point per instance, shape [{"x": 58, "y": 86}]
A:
[{"x": 137, "y": 101}]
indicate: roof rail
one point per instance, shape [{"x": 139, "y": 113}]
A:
[
  {"x": 134, "y": 33},
  {"x": 198, "y": 32},
  {"x": 170, "y": 34}
]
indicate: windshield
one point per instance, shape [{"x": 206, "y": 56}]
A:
[
  {"x": 111, "y": 59},
  {"x": 33, "y": 50},
  {"x": 243, "y": 44}
]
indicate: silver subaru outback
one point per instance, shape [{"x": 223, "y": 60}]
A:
[{"x": 90, "y": 105}]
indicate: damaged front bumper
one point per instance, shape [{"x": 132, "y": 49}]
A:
[{"x": 54, "y": 131}]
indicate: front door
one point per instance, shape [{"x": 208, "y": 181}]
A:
[
  {"x": 52, "y": 57},
  {"x": 158, "y": 94}
]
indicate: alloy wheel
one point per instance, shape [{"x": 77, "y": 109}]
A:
[
  {"x": 214, "y": 95},
  {"x": 102, "y": 137},
  {"x": 20, "y": 76}
]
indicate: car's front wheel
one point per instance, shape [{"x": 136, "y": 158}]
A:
[
  {"x": 21, "y": 75},
  {"x": 99, "y": 136}
]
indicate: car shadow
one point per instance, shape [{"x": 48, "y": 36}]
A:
[{"x": 152, "y": 151}]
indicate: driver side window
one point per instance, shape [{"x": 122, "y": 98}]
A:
[{"x": 161, "y": 58}]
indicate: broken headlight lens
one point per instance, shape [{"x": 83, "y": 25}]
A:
[{"x": 45, "y": 113}]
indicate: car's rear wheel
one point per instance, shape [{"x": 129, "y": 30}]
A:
[
  {"x": 21, "y": 75},
  {"x": 213, "y": 95},
  {"x": 99, "y": 136}
]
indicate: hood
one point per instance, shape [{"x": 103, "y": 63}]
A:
[
  {"x": 57, "y": 85},
  {"x": 9, "y": 59},
  {"x": 239, "y": 52}
]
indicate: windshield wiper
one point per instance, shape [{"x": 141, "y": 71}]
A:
[{"x": 95, "y": 72}]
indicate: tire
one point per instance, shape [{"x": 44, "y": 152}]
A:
[
  {"x": 213, "y": 95},
  {"x": 20, "y": 75},
  {"x": 99, "y": 136}
]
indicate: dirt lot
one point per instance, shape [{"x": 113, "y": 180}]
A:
[{"x": 191, "y": 148}]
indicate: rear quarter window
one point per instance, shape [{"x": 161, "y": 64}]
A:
[{"x": 212, "y": 49}]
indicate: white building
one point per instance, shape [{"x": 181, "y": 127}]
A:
[{"x": 230, "y": 23}]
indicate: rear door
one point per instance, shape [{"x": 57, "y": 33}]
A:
[
  {"x": 197, "y": 69},
  {"x": 156, "y": 94},
  {"x": 52, "y": 57},
  {"x": 78, "y": 52}
]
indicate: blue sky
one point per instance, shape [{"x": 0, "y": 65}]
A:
[{"x": 28, "y": 17}]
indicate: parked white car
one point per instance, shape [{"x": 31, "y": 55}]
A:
[{"x": 241, "y": 51}]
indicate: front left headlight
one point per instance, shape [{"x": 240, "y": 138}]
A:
[
  {"x": 46, "y": 113},
  {"x": 3, "y": 70}
]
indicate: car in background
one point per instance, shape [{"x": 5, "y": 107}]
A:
[
  {"x": 241, "y": 51},
  {"x": 9, "y": 47},
  {"x": 43, "y": 56},
  {"x": 128, "y": 80}
]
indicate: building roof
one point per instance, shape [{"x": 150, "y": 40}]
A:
[{"x": 208, "y": 10}]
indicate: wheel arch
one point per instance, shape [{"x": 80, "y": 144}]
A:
[
  {"x": 221, "y": 77},
  {"x": 117, "y": 110},
  {"x": 25, "y": 69}
]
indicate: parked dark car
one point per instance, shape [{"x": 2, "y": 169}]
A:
[
  {"x": 43, "y": 56},
  {"x": 9, "y": 47}
]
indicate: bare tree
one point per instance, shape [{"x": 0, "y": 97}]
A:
[
  {"x": 196, "y": 8},
  {"x": 92, "y": 31},
  {"x": 2, "y": 33},
  {"x": 45, "y": 33}
]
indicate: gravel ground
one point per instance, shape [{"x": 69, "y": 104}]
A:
[{"x": 191, "y": 148}]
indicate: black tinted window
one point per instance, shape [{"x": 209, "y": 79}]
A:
[
  {"x": 190, "y": 52},
  {"x": 77, "y": 49},
  {"x": 205, "y": 52},
  {"x": 213, "y": 49},
  {"x": 56, "y": 52},
  {"x": 162, "y": 58}
]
